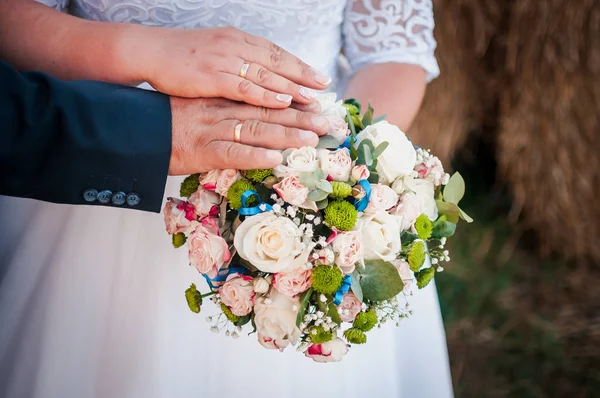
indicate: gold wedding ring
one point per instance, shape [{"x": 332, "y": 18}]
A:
[
  {"x": 244, "y": 70},
  {"x": 237, "y": 133}
]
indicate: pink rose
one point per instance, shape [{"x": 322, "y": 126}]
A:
[
  {"x": 177, "y": 216},
  {"x": 209, "y": 180},
  {"x": 360, "y": 172},
  {"x": 338, "y": 128},
  {"x": 220, "y": 180},
  {"x": 349, "y": 307},
  {"x": 331, "y": 351},
  {"x": 336, "y": 164},
  {"x": 382, "y": 198},
  {"x": 348, "y": 250},
  {"x": 430, "y": 168},
  {"x": 207, "y": 251},
  {"x": 292, "y": 282},
  {"x": 205, "y": 202},
  {"x": 293, "y": 192},
  {"x": 237, "y": 293}
]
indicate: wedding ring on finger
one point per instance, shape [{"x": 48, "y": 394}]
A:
[
  {"x": 244, "y": 70},
  {"x": 237, "y": 133}
]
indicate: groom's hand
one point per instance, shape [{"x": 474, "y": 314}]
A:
[{"x": 204, "y": 134}]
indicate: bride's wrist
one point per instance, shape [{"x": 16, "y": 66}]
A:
[{"x": 132, "y": 53}]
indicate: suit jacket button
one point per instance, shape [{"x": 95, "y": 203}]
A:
[
  {"x": 104, "y": 196},
  {"x": 90, "y": 195},
  {"x": 118, "y": 198},
  {"x": 133, "y": 199}
]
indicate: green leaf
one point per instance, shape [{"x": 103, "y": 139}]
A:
[
  {"x": 379, "y": 118},
  {"x": 356, "y": 289},
  {"x": 309, "y": 179},
  {"x": 325, "y": 185},
  {"x": 407, "y": 238},
  {"x": 379, "y": 280},
  {"x": 464, "y": 216},
  {"x": 455, "y": 189},
  {"x": 333, "y": 313},
  {"x": 303, "y": 306},
  {"x": 450, "y": 210},
  {"x": 253, "y": 326},
  {"x": 368, "y": 116},
  {"x": 322, "y": 204},
  {"x": 380, "y": 148},
  {"x": 443, "y": 228},
  {"x": 353, "y": 101},
  {"x": 243, "y": 320},
  {"x": 319, "y": 174},
  {"x": 327, "y": 142},
  {"x": 373, "y": 177},
  {"x": 317, "y": 195}
]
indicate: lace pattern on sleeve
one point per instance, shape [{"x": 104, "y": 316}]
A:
[
  {"x": 60, "y": 5},
  {"x": 377, "y": 31}
]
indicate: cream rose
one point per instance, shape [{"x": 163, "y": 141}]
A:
[
  {"x": 382, "y": 198},
  {"x": 175, "y": 217},
  {"x": 405, "y": 274},
  {"x": 297, "y": 161},
  {"x": 271, "y": 243},
  {"x": 338, "y": 129},
  {"x": 399, "y": 157},
  {"x": 348, "y": 250},
  {"x": 349, "y": 307},
  {"x": 418, "y": 199},
  {"x": 207, "y": 251},
  {"x": 331, "y": 351},
  {"x": 237, "y": 293},
  {"x": 275, "y": 319},
  {"x": 336, "y": 164},
  {"x": 330, "y": 106},
  {"x": 292, "y": 282},
  {"x": 205, "y": 202},
  {"x": 381, "y": 236},
  {"x": 220, "y": 180},
  {"x": 293, "y": 192}
]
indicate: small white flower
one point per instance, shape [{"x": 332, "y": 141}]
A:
[
  {"x": 291, "y": 211},
  {"x": 214, "y": 329},
  {"x": 445, "y": 252},
  {"x": 297, "y": 221},
  {"x": 227, "y": 333},
  {"x": 317, "y": 221},
  {"x": 434, "y": 261},
  {"x": 235, "y": 335},
  {"x": 274, "y": 197},
  {"x": 322, "y": 298},
  {"x": 209, "y": 319},
  {"x": 307, "y": 318}
]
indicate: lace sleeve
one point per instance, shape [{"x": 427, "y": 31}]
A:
[
  {"x": 377, "y": 31},
  {"x": 60, "y": 5}
]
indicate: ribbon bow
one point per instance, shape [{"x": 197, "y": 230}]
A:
[
  {"x": 251, "y": 211},
  {"x": 339, "y": 295},
  {"x": 217, "y": 281},
  {"x": 346, "y": 143},
  {"x": 361, "y": 205}
]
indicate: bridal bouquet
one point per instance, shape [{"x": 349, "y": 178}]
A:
[{"x": 324, "y": 247}]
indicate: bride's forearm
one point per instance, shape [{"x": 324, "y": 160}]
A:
[
  {"x": 37, "y": 38},
  {"x": 393, "y": 89}
]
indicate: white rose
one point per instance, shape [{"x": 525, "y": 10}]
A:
[
  {"x": 275, "y": 319},
  {"x": 297, "y": 161},
  {"x": 348, "y": 249},
  {"x": 382, "y": 198},
  {"x": 399, "y": 157},
  {"x": 418, "y": 199},
  {"x": 336, "y": 164},
  {"x": 330, "y": 106},
  {"x": 331, "y": 351},
  {"x": 293, "y": 192},
  {"x": 381, "y": 236},
  {"x": 270, "y": 243},
  {"x": 338, "y": 129}
]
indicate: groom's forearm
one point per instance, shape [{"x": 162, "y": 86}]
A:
[
  {"x": 35, "y": 37},
  {"x": 59, "y": 140}
]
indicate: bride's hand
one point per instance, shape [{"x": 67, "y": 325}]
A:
[
  {"x": 209, "y": 63},
  {"x": 204, "y": 133}
]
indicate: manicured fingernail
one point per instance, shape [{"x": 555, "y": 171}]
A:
[
  {"x": 307, "y": 93},
  {"x": 274, "y": 156},
  {"x": 283, "y": 97},
  {"x": 307, "y": 135},
  {"x": 319, "y": 121},
  {"x": 322, "y": 79}
]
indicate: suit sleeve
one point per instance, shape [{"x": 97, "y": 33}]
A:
[{"x": 63, "y": 141}]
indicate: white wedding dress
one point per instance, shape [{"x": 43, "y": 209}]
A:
[{"x": 91, "y": 298}]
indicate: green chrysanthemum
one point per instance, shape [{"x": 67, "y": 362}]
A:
[
  {"x": 319, "y": 335},
  {"x": 416, "y": 255},
  {"x": 258, "y": 175},
  {"x": 355, "y": 336},
  {"x": 326, "y": 279},
  {"x": 234, "y": 194},
  {"x": 179, "y": 240},
  {"x": 365, "y": 321},
  {"x": 228, "y": 314},
  {"x": 341, "y": 190},
  {"x": 341, "y": 214},
  {"x": 423, "y": 226},
  {"x": 352, "y": 109},
  {"x": 189, "y": 185},
  {"x": 424, "y": 277},
  {"x": 193, "y": 298}
]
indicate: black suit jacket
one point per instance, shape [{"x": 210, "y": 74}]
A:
[{"x": 82, "y": 142}]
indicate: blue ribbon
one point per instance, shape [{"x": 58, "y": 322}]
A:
[
  {"x": 252, "y": 211},
  {"x": 339, "y": 295},
  {"x": 222, "y": 276},
  {"x": 361, "y": 205},
  {"x": 346, "y": 144}
]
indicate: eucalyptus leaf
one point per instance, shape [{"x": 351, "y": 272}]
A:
[
  {"x": 380, "y": 148},
  {"x": 253, "y": 326},
  {"x": 303, "y": 306},
  {"x": 450, "y": 210},
  {"x": 373, "y": 177},
  {"x": 325, "y": 185},
  {"x": 455, "y": 189},
  {"x": 379, "y": 280},
  {"x": 333, "y": 313},
  {"x": 379, "y": 118},
  {"x": 309, "y": 179},
  {"x": 464, "y": 216},
  {"x": 322, "y": 204},
  {"x": 442, "y": 228},
  {"x": 356, "y": 289},
  {"x": 327, "y": 142},
  {"x": 368, "y": 116},
  {"x": 317, "y": 195},
  {"x": 243, "y": 320},
  {"x": 319, "y": 174}
]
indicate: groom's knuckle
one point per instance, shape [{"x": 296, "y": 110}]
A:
[
  {"x": 263, "y": 75},
  {"x": 244, "y": 87},
  {"x": 265, "y": 114},
  {"x": 252, "y": 128},
  {"x": 276, "y": 60}
]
